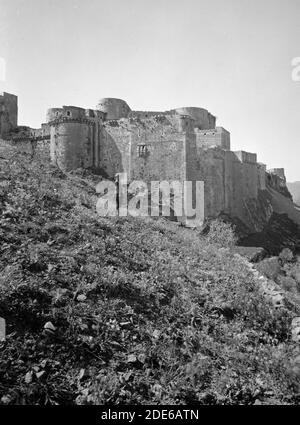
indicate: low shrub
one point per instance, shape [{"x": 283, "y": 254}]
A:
[{"x": 221, "y": 234}]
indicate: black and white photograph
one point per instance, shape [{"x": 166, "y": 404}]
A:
[{"x": 149, "y": 207}]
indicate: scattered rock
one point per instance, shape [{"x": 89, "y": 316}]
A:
[
  {"x": 28, "y": 377},
  {"x": 39, "y": 375},
  {"x": 131, "y": 358},
  {"x": 156, "y": 333},
  {"x": 82, "y": 374},
  {"x": 125, "y": 324},
  {"x": 278, "y": 300},
  {"x": 44, "y": 363},
  {"x": 50, "y": 268},
  {"x": 81, "y": 297},
  {"x": 296, "y": 329},
  {"x": 142, "y": 358},
  {"x": 253, "y": 254},
  {"x": 286, "y": 256},
  {"x": 269, "y": 267},
  {"x": 49, "y": 328}
]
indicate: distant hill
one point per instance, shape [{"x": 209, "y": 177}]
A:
[{"x": 294, "y": 188}]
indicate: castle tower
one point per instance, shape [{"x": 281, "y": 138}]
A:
[
  {"x": 8, "y": 113},
  {"x": 203, "y": 119},
  {"x": 113, "y": 108},
  {"x": 74, "y": 137},
  {"x": 278, "y": 172}
]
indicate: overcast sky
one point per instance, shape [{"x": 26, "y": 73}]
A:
[{"x": 232, "y": 57}]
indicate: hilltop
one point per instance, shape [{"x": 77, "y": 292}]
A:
[{"x": 145, "y": 311}]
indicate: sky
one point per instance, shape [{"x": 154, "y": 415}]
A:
[{"x": 232, "y": 57}]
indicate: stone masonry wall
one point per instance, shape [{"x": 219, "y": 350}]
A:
[
  {"x": 229, "y": 183},
  {"x": 213, "y": 137},
  {"x": 40, "y": 148},
  {"x": 202, "y": 118},
  {"x": 8, "y": 113}
]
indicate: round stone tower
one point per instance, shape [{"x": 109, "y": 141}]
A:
[
  {"x": 203, "y": 119},
  {"x": 114, "y": 108}
]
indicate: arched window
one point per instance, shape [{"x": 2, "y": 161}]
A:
[{"x": 142, "y": 151}]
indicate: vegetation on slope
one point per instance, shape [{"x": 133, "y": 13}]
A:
[{"x": 145, "y": 311}]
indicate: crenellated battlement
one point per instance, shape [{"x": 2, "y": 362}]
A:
[{"x": 64, "y": 120}]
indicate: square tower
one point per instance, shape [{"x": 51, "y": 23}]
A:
[{"x": 8, "y": 113}]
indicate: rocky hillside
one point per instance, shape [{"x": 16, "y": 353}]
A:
[
  {"x": 282, "y": 227},
  {"x": 276, "y": 220},
  {"x": 123, "y": 310}
]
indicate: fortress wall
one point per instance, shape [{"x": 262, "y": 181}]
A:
[
  {"x": 8, "y": 113},
  {"x": 74, "y": 112},
  {"x": 261, "y": 176},
  {"x": 54, "y": 113},
  {"x": 228, "y": 182},
  {"x": 193, "y": 175},
  {"x": 158, "y": 148},
  {"x": 203, "y": 119},
  {"x": 39, "y": 148},
  {"x": 278, "y": 172},
  {"x": 44, "y": 131},
  {"x": 24, "y": 146},
  {"x": 213, "y": 137},
  {"x": 145, "y": 114},
  {"x": 154, "y": 159},
  {"x": 144, "y": 147},
  {"x": 42, "y": 148},
  {"x": 249, "y": 178},
  {"x": 159, "y": 161},
  {"x": 246, "y": 156},
  {"x": 239, "y": 188},
  {"x": 113, "y": 108},
  {"x": 115, "y": 149},
  {"x": 144, "y": 150},
  {"x": 276, "y": 180},
  {"x": 245, "y": 183},
  {"x": 71, "y": 145},
  {"x": 211, "y": 170},
  {"x": 224, "y": 136},
  {"x": 191, "y": 159},
  {"x": 241, "y": 185}
]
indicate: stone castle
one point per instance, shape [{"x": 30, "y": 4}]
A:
[{"x": 179, "y": 144}]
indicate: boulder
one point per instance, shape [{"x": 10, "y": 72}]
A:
[{"x": 253, "y": 254}]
